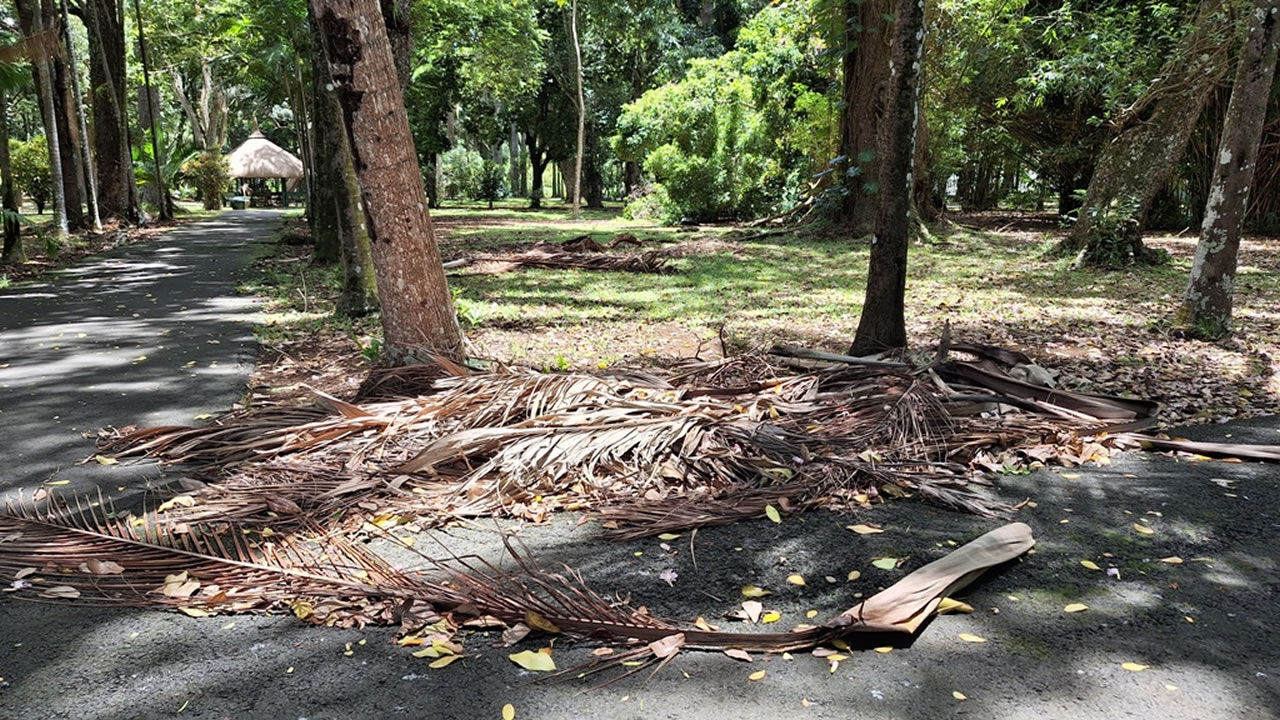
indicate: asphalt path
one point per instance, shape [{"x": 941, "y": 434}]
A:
[{"x": 1205, "y": 628}]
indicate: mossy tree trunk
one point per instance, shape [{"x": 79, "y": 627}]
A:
[
  {"x": 1147, "y": 144},
  {"x": 882, "y": 325},
  {"x": 1206, "y": 307},
  {"x": 418, "y": 318},
  {"x": 865, "y": 70}
]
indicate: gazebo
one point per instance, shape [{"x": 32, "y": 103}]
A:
[{"x": 257, "y": 158}]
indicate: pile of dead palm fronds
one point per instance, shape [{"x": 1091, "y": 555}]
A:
[
  {"x": 579, "y": 253},
  {"x": 710, "y": 444}
]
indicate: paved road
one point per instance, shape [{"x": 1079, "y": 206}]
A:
[
  {"x": 149, "y": 334},
  {"x": 1037, "y": 662}
]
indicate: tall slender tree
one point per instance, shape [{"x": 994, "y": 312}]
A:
[
  {"x": 582, "y": 111},
  {"x": 883, "y": 322},
  {"x": 418, "y": 318},
  {"x": 1206, "y": 307},
  {"x": 13, "y": 251},
  {"x": 33, "y": 17},
  {"x": 165, "y": 200},
  {"x": 117, "y": 187},
  {"x": 82, "y": 124}
]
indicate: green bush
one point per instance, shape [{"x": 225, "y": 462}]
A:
[
  {"x": 31, "y": 175},
  {"x": 208, "y": 172}
]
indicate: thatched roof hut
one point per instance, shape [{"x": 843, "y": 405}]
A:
[{"x": 258, "y": 157}]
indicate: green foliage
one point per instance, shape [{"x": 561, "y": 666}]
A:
[
  {"x": 30, "y": 160},
  {"x": 463, "y": 170},
  {"x": 493, "y": 182},
  {"x": 208, "y": 172}
]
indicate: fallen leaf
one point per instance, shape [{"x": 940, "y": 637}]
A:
[
  {"x": 948, "y": 606},
  {"x": 1135, "y": 667},
  {"x": 177, "y": 501},
  {"x": 601, "y": 652},
  {"x": 854, "y": 575},
  {"x": 1142, "y": 529},
  {"x": 753, "y": 591},
  {"x": 94, "y": 566},
  {"x": 771, "y": 617},
  {"x": 958, "y": 695},
  {"x": 668, "y": 536},
  {"x": 1075, "y": 608},
  {"x": 885, "y": 563},
  {"x": 534, "y": 620},
  {"x": 771, "y": 512},
  {"x": 534, "y": 661},
  {"x": 57, "y": 483},
  {"x": 1171, "y": 688},
  {"x": 884, "y": 649},
  {"x": 202, "y": 416},
  {"x": 1071, "y": 476},
  {"x": 796, "y": 580},
  {"x": 508, "y": 712},
  {"x": 443, "y": 662},
  {"x": 702, "y": 624},
  {"x": 179, "y": 585},
  {"x": 970, "y": 637},
  {"x": 514, "y": 634},
  {"x": 1172, "y": 560},
  {"x": 23, "y": 573},
  {"x": 864, "y": 529},
  {"x": 753, "y": 609},
  {"x": 757, "y": 675},
  {"x": 1090, "y": 565},
  {"x": 667, "y": 646},
  {"x": 738, "y": 654},
  {"x": 193, "y": 612},
  {"x": 811, "y": 614},
  {"x": 60, "y": 591}
]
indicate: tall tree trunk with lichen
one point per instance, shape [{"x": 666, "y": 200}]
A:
[
  {"x": 1206, "y": 307},
  {"x": 13, "y": 251},
  {"x": 865, "y": 71},
  {"x": 1148, "y": 142},
  {"x": 882, "y": 325},
  {"x": 418, "y": 318},
  {"x": 338, "y": 221}
]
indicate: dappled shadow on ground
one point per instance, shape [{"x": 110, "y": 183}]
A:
[
  {"x": 146, "y": 335},
  {"x": 1037, "y": 661}
]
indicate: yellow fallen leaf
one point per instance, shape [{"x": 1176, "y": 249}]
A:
[
  {"x": 177, "y": 501},
  {"x": 288, "y": 670},
  {"x": 1071, "y": 476},
  {"x": 1171, "y": 688},
  {"x": 534, "y": 620},
  {"x": 771, "y": 512},
  {"x": 862, "y": 529},
  {"x": 885, "y": 649},
  {"x": 795, "y": 580},
  {"x": 104, "y": 460},
  {"x": 702, "y": 624},
  {"x": 885, "y": 563},
  {"x": 193, "y": 612},
  {"x": 301, "y": 609},
  {"x": 854, "y": 575},
  {"x": 958, "y": 695},
  {"x": 56, "y": 483},
  {"x": 202, "y": 416},
  {"x": 951, "y": 605},
  {"x": 427, "y": 652},
  {"x": 534, "y": 661},
  {"x": 811, "y": 614},
  {"x": 1075, "y": 608},
  {"x": 1172, "y": 560},
  {"x": 229, "y": 625},
  {"x": 753, "y": 591},
  {"x": 1142, "y": 529},
  {"x": 970, "y": 637},
  {"x": 668, "y": 536},
  {"x": 1090, "y": 565},
  {"x": 757, "y": 675},
  {"x": 1135, "y": 667},
  {"x": 443, "y": 662},
  {"x": 771, "y": 617},
  {"x": 508, "y": 712}
]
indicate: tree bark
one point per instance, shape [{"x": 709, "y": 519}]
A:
[
  {"x": 1149, "y": 141},
  {"x": 166, "y": 200},
  {"x": 865, "y": 83},
  {"x": 31, "y": 16},
  {"x": 538, "y": 161},
  {"x": 582, "y": 114},
  {"x": 1206, "y": 307},
  {"x": 418, "y": 318},
  {"x": 883, "y": 323},
  {"x": 117, "y": 195},
  {"x": 90, "y": 182},
  {"x": 13, "y": 251},
  {"x": 68, "y": 133}
]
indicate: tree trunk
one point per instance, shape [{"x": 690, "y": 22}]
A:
[
  {"x": 883, "y": 323},
  {"x": 538, "y": 162},
  {"x": 513, "y": 148},
  {"x": 1206, "y": 308},
  {"x": 568, "y": 189},
  {"x": 865, "y": 83},
  {"x": 398, "y": 18},
  {"x": 339, "y": 230},
  {"x": 1147, "y": 145},
  {"x": 592, "y": 179},
  {"x": 82, "y": 124},
  {"x": 13, "y": 252},
  {"x": 418, "y": 318},
  {"x": 582, "y": 115},
  {"x": 166, "y": 200},
  {"x": 32, "y": 17},
  {"x": 68, "y": 133},
  {"x": 117, "y": 196}
]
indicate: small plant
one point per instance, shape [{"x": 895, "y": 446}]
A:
[
  {"x": 208, "y": 172},
  {"x": 371, "y": 350},
  {"x": 5, "y": 281},
  {"x": 468, "y": 317}
]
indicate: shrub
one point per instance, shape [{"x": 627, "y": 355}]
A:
[
  {"x": 31, "y": 175},
  {"x": 208, "y": 172}
]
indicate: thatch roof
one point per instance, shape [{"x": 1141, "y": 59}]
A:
[{"x": 258, "y": 157}]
